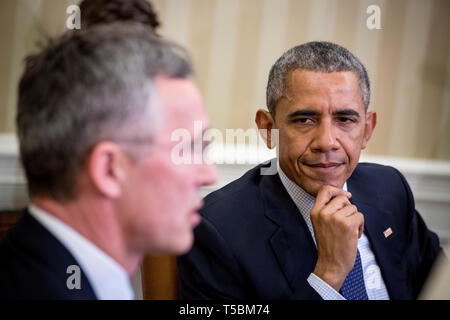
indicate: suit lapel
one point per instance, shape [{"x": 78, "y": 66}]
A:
[
  {"x": 386, "y": 249},
  {"x": 50, "y": 255},
  {"x": 292, "y": 244}
]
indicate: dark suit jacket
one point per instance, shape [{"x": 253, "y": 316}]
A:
[
  {"x": 254, "y": 244},
  {"x": 33, "y": 265}
]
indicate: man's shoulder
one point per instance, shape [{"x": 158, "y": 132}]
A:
[
  {"x": 34, "y": 264},
  {"x": 240, "y": 194},
  {"x": 248, "y": 182},
  {"x": 371, "y": 172},
  {"x": 376, "y": 181}
]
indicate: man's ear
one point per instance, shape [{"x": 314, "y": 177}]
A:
[
  {"x": 265, "y": 123},
  {"x": 370, "y": 123},
  {"x": 106, "y": 167}
]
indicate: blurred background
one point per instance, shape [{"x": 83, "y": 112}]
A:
[{"x": 234, "y": 43}]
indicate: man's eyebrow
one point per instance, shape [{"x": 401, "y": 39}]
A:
[
  {"x": 311, "y": 113},
  {"x": 305, "y": 112},
  {"x": 346, "y": 112}
]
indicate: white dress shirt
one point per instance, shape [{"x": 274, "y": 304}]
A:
[
  {"x": 375, "y": 286},
  {"x": 107, "y": 278}
]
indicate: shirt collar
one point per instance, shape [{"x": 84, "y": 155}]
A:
[{"x": 108, "y": 279}]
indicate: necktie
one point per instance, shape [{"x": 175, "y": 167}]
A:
[{"x": 353, "y": 287}]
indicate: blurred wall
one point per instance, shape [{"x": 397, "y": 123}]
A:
[{"x": 235, "y": 42}]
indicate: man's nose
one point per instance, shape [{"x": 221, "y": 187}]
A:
[
  {"x": 325, "y": 138},
  {"x": 207, "y": 174}
]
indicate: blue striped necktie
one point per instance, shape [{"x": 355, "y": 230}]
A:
[{"x": 353, "y": 287}]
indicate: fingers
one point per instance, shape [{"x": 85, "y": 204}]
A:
[
  {"x": 337, "y": 203},
  {"x": 351, "y": 219},
  {"x": 326, "y": 194},
  {"x": 361, "y": 226},
  {"x": 333, "y": 204},
  {"x": 347, "y": 210},
  {"x": 338, "y": 209}
]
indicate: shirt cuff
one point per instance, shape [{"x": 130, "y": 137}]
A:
[{"x": 323, "y": 288}]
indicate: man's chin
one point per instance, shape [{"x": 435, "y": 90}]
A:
[
  {"x": 177, "y": 244},
  {"x": 183, "y": 246},
  {"x": 313, "y": 187},
  {"x": 311, "y": 182}
]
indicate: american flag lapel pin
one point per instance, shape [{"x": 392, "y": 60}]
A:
[{"x": 387, "y": 232}]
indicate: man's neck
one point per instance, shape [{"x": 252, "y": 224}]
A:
[{"x": 96, "y": 222}]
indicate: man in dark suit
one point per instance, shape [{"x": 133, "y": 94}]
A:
[
  {"x": 315, "y": 224},
  {"x": 96, "y": 111}
]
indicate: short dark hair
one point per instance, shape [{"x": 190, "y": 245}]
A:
[
  {"x": 319, "y": 56},
  {"x": 85, "y": 87},
  {"x": 95, "y": 12}
]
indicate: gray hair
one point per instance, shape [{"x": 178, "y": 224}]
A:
[
  {"x": 314, "y": 56},
  {"x": 85, "y": 87}
]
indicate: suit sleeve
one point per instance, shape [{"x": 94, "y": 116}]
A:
[
  {"x": 423, "y": 245},
  {"x": 209, "y": 270}
]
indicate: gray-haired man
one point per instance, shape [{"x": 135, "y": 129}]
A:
[
  {"x": 324, "y": 226},
  {"x": 95, "y": 116}
]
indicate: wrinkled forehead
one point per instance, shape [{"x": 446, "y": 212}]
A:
[
  {"x": 307, "y": 87},
  {"x": 299, "y": 80}
]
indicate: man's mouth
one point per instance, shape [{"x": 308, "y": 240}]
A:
[
  {"x": 198, "y": 206},
  {"x": 194, "y": 215},
  {"x": 324, "y": 167}
]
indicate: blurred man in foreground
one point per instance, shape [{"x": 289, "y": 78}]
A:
[{"x": 95, "y": 116}]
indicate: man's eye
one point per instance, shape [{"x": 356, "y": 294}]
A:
[
  {"x": 303, "y": 120},
  {"x": 345, "y": 120}
]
